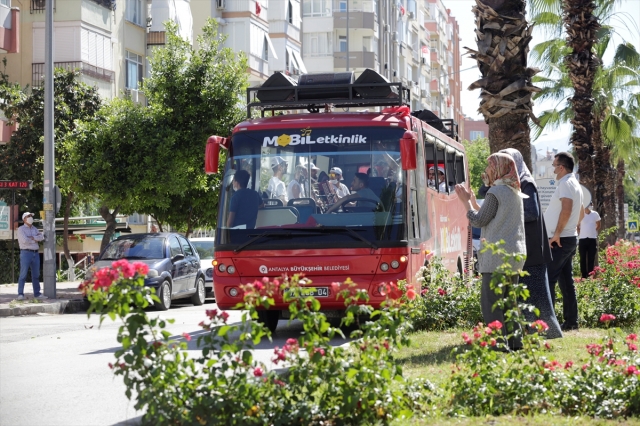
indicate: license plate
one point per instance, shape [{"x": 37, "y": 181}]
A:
[{"x": 308, "y": 291}]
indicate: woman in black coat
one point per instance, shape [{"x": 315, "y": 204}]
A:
[{"x": 538, "y": 251}]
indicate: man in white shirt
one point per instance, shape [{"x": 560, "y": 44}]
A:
[
  {"x": 588, "y": 240},
  {"x": 296, "y": 189},
  {"x": 276, "y": 188},
  {"x": 28, "y": 238},
  {"x": 562, "y": 217},
  {"x": 336, "y": 180}
]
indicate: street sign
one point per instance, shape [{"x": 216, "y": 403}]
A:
[
  {"x": 16, "y": 184},
  {"x": 546, "y": 188},
  {"x": 632, "y": 226}
]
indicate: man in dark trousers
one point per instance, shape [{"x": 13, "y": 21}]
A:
[
  {"x": 588, "y": 240},
  {"x": 28, "y": 238}
]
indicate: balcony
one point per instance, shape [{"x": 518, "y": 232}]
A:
[
  {"x": 284, "y": 27},
  {"x": 37, "y": 71},
  {"x": 10, "y": 34},
  {"x": 360, "y": 20},
  {"x": 356, "y": 60},
  {"x": 434, "y": 86}
]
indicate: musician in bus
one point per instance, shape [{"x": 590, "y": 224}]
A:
[
  {"x": 336, "y": 180},
  {"x": 245, "y": 202},
  {"x": 276, "y": 188},
  {"x": 442, "y": 184},
  {"x": 359, "y": 190},
  {"x": 295, "y": 189}
]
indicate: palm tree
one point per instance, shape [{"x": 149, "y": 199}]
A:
[{"x": 503, "y": 45}]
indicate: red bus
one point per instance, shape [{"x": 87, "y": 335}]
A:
[{"x": 307, "y": 224}]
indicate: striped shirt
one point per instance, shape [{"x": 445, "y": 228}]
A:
[{"x": 24, "y": 240}]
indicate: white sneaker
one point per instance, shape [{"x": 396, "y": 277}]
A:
[
  {"x": 21, "y": 297},
  {"x": 41, "y": 297}
]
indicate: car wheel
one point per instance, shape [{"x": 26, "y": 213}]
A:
[
  {"x": 269, "y": 319},
  {"x": 164, "y": 294},
  {"x": 199, "y": 296}
]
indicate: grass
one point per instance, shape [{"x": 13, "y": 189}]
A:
[{"x": 430, "y": 357}]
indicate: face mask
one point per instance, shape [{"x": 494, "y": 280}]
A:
[
  {"x": 29, "y": 220},
  {"x": 334, "y": 181}
]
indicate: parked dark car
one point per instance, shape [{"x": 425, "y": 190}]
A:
[{"x": 174, "y": 265}]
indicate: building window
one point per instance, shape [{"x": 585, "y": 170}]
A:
[
  {"x": 316, "y": 7},
  {"x": 135, "y": 71},
  {"x": 5, "y": 3},
  {"x": 134, "y": 12},
  {"x": 476, "y": 134},
  {"x": 342, "y": 44},
  {"x": 290, "y": 12},
  {"x": 342, "y": 6},
  {"x": 317, "y": 44}
]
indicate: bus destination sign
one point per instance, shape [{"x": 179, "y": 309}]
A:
[{"x": 16, "y": 184}]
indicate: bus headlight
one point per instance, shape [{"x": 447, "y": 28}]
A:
[
  {"x": 384, "y": 267},
  {"x": 395, "y": 264},
  {"x": 233, "y": 292},
  {"x": 222, "y": 267},
  {"x": 231, "y": 269}
]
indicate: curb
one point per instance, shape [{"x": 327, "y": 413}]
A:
[{"x": 61, "y": 306}]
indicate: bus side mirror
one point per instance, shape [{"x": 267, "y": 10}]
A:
[
  {"x": 212, "y": 153},
  {"x": 408, "y": 145}
]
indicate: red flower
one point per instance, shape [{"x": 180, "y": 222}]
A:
[
  {"x": 607, "y": 318},
  {"x": 186, "y": 336},
  {"x": 631, "y": 370},
  {"x": 318, "y": 350},
  {"x": 632, "y": 337},
  {"x": 547, "y": 345},
  {"x": 258, "y": 372},
  {"x": 496, "y": 325},
  {"x": 594, "y": 349},
  {"x": 441, "y": 291},
  {"x": 466, "y": 339},
  {"x": 224, "y": 316},
  {"x": 568, "y": 365},
  {"x": 394, "y": 291},
  {"x": 411, "y": 293},
  {"x": 141, "y": 268},
  {"x": 211, "y": 313},
  {"x": 632, "y": 347},
  {"x": 483, "y": 343},
  {"x": 493, "y": 342}
]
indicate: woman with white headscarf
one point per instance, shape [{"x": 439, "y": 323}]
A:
[
  {"x": 538, "y": 251},
  {"x": 501, "y": 217}
]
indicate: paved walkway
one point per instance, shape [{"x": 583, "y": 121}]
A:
[{"x": 69, "y": 299}]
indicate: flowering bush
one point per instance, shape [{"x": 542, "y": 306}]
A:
[
  {"x": 487, "y": 382},
  {"x": 359, "y": 383},
  {"x": 614, "y": 287},
  {"x": 446, "y": 300}
]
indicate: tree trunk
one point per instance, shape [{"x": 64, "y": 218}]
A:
[
  {"x": 71, "y": 271},
  {"x": 582, "y": 62},
  {"x": 506, "y": 89},
  {"x": 620, "y": 197},
  {"x": 604, "y": 196},
  {"x": 110, "y": 218}
]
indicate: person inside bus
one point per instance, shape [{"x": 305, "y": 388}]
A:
[
  {"x": 276, "y": 188},
  {"x": 359, "y": 190},
  {"x": 244, "y": 204},
  {"x": 336, "y": 180},
  {"x": 295, "y": 189},
  {"x": 538, "y": 250},
  {"x": 442, "y": 184},
  {"x": 501, "y": 217}
]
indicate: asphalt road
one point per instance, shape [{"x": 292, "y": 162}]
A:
[{"x": 53, "y": 368}]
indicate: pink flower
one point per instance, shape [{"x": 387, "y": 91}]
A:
[
  {"x": 258, "y": 286},
  {"x": 547, "y": 345},
  {"x": 411, "y": 294},
  {"x": 594, "y": 349},
  {"x": 493, "y": 342},
  {"x": 211, "y": 313},
  {"x": 540, "y": 325},
  {"x": 224, "y": 316},
  {"x": 466, "y": 339},
  {"x": 141, "y": 268},
  {"x": 632, "y": 370},
  {"x": 258, "y": 372},
  {"x": 632, "y": 347},
  {"x": 584, "y": 367},
  {"x": 483, "y": 343},
  {"x": 441, "y": 291},
  {"x": 568, "y": 365},
  {"x": 291, "y": 341},
  {"x": 496, "y": 325},
  {"x": 632, "y": 337},
  {"x": 186, "y": 336},
  {"x": 607, "y": 318}
]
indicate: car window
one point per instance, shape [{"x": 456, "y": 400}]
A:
[
  {"x": 186, "y": 247},
  {"x": 205, "y": 248},
  {"x": 134, "y": 248},
  {"x": 174, "y": 246}
]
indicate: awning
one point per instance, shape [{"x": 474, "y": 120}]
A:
[
  {"x": 296, "y": 54},
  {"x": 90, "y": 228},
  {"x": 293, "y": 58},
  {"x": 271, "y": 48}
]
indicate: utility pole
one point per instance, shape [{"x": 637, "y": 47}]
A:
[{"x": 48, "y": 199}]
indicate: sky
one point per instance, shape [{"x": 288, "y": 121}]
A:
[{"x": 461, "y": 10}]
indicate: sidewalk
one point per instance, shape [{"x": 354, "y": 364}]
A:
[{"x": 69, "y": 300}]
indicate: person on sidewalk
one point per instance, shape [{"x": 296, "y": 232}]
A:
[
  {"x": 28, "y": 238},
  {"x": 562, "y": 217},
  {"x": 588, "y": 230}
]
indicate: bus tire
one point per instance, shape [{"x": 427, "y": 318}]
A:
[{"x": 269, "y": 319}]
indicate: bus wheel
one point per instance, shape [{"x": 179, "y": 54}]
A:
[{"x": 269, "y": 319}]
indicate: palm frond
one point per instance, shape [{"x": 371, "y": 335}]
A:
[
  {"x": 614, "y": 128},
  {"x": 627, "y": 53}
]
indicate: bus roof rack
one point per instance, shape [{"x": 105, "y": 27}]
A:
[{"x": 314, "y": 91}]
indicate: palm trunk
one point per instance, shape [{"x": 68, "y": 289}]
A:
[
  {"x": 110, "y": 218},
  {"x": 604, "y": 199},
  {"x": 503, "y": 46},
  {"x": 581, "y": 26},
  {"x": 620, "y": 197}
]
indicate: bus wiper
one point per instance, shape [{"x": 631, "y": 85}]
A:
[
  {"x": 351, "y": 232},
  {"x": 271, "y": 234}
]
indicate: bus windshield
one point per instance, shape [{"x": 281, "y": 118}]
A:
[{"x": 323, "y": 187}]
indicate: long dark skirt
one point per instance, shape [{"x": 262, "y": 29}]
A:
[
  {"x": 538, "y": 284},
  {"x": 488, "y": 298}
]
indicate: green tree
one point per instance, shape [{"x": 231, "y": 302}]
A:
[
  {"x": 23, "y": 157},
  {"x": 477, "y": 153},
  {"x": 151, "y": 159}
]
